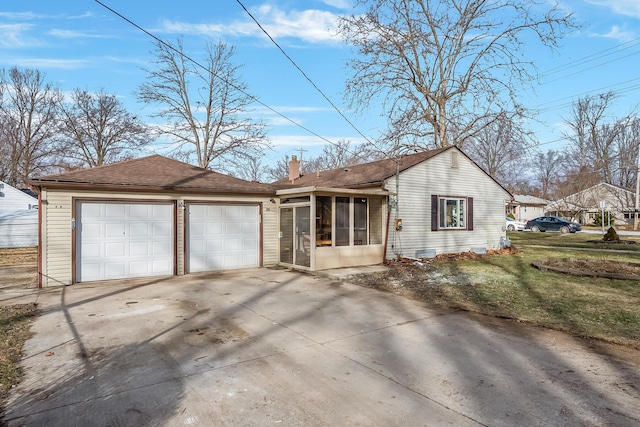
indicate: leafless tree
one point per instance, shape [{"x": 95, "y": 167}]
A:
[
  {"x": 279, "y": 170},
  {"x": 342, "y": 153},
  {"x": 546, "y": 168},
  {"x": 444, "y": 69},
  {"x": 499, "y": 146},
  {"x": 250, "y": 169},
  {"x": 29, "y": 115},
  {"x": 204, "y": 108},
  {"x": 98, "y": 129},
  {"x": 595, "y": 135},
  {"x": 626, "y": 158}
]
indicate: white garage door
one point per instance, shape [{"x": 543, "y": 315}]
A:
[
  {"x": 222, "y": 237},
  {"x": 122, "y": 240}
]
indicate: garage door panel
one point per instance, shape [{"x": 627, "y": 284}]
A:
[
  {"x": 114, "y": 249},
  {"x": 222, "y": 237},
  {"x": 121, "y": 240},
  {"x": 139, "y": 230},
  {"x": 114, "y": 210},
  {"x": 160, "y": 248},
  {"x": 161, "y": 229},
  {"x": 139, "y": 211},
  {"x": 214, "y": 245},
  {"x": 114, "y": 270},
  {"x": 232, "y": 244},
  {"x": 114, "y": 229},
  {"x": 214, "y": 230},
  {"x": 138, "y": 249},
  {"x": 231, "y": 229}
]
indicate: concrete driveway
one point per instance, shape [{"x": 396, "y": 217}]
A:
[{"x": 267, "y": 347}]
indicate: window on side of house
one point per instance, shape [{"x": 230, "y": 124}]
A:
[{"x": 452, "y": 213}]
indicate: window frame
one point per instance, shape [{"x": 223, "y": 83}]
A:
[{"x": 436, "y": 206}]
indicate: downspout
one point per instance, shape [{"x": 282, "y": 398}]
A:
[
  {"x": 38, "y": 189},
  {"x": 386, "y": 236}
]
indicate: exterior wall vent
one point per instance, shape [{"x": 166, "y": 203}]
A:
[{"x": 454, "y": 160}]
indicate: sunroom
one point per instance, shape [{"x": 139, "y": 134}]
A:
[{"x": 322, "y": 228}]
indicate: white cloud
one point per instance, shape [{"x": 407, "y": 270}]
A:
[
  {"x": 312, "y": 26},
  {"x": 622, "y": 7},
  {"x": 13, "y": 35},
  {"x": 338, "y": 4},
  {"x": 72, "y": 34},
  {"x": 43, "y": 63},
  {"x": 617, "y": 33},
  {"x": 19, "y": 15}
]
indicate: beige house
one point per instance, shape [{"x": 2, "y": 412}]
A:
[
  {"x": 155, "y": 216},
  {"x": 525, "y": 207},
  {"x": 584, "y": 205},
  {"x": 418, "y": 205}
]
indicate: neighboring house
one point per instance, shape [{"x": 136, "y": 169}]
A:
[
  {"x": 155, "y": 216},
  {"x": 525, "y": 207},
  {"x": 419, "y": 205},
  {"x": 18, "y": 218},
  {"x": 584, "y": 205},
  {"x": 151, "y": 216}
]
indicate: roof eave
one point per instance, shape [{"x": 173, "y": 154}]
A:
[{"x": 141, "y": 188}]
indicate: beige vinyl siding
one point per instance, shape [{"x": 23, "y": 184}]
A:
[
  {"x": 56, "y": 241},
  {"x": 57, "y": 232},
  {"x": 436, "y": 176}
]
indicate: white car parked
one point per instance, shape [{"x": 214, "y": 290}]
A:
[{"x": 513, "y": 225}]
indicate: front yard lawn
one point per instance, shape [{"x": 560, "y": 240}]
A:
[
  {"x": 509, "y": 286},
  {"x": 575, "y": 240}
]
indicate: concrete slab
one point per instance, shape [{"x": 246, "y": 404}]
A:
[{"x": 267, "y": 347}]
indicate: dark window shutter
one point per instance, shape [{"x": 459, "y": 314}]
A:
[
  {"x": 469, "y": 213},
  {"x": 434, "y": 212}
]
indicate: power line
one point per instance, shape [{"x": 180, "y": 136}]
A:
[
  {"x": 590, "y": 58},
  {"x": 591, "y": 68},
  {"x": 308, "y": 78},
  {"x": 565, "y": 99},
  {"x": 168, "y": 46}
]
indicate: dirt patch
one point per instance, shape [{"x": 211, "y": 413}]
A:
[
  {"x": 18, "y": 256},
  {"x": 593, "y": 268}
]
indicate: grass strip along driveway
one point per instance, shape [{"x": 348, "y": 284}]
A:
[{"x": 509, "y": 286}]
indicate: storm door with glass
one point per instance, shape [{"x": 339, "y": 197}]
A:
[{"x": 295, "y": 235}]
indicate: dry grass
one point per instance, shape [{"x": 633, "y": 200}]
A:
[
  {"x": 18, "y": 256},
  {"x": 15, "y": 323},
  {"x": 509, "y": 286}
]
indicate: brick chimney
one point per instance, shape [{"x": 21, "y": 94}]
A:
[{"x": 294, "y": 169}]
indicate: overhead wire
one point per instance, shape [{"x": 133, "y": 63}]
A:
[
  {"x": 315, "y": 86},
  {"x": 169, "y": 46}
]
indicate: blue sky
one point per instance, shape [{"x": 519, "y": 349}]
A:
[{"x": 80, "y": 44}]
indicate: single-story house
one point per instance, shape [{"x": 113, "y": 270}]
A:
[
  {"x": 155, "y": 216},
  {"x": 525, "y": 207},
  {"x": 584, "y": 205},
  {"x": 18, "y": 218},
  {"x": 418, "y": 205}
]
